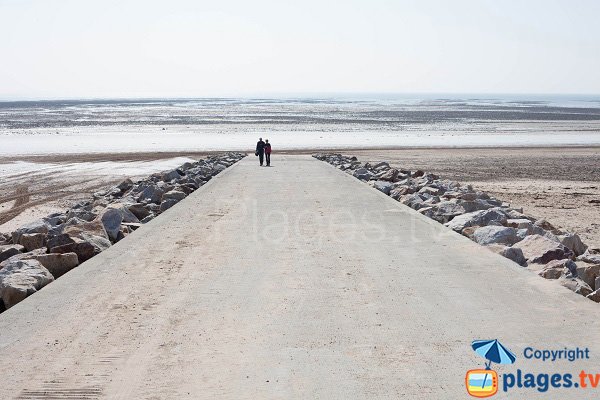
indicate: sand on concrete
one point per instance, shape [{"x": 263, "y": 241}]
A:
[{"x": 298, "y": 282}]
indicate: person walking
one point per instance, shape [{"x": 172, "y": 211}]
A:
[
  {"x": 260, "y": 151},
  {"x": 268, "y": 152}
]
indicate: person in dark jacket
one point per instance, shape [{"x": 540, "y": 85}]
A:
[
  {"x": 268, "y": 152},
  {"x": 260, "y": 151}
]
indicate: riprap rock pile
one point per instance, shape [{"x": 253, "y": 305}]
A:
[
  {"x": 530, "y": 242},
  {"x": 41, "y": 251}
]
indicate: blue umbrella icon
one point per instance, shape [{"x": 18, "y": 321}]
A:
[{"x": 493, "y": 351}]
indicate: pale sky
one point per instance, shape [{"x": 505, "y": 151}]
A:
[{"x": 196, "y": 48}]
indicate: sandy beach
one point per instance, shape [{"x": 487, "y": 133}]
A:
[{"x": 561, "y": 185}]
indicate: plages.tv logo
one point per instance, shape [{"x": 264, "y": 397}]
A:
[{"x": 484, "y": 382}]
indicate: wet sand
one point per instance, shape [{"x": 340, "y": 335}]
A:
[
  {"x": 33, "y": 187},
  {"x": 561, "y": 185}
]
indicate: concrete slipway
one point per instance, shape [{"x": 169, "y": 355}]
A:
[{"x": 290, "y": 282}]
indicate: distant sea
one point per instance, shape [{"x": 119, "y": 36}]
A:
[
  {"x": 298, "y": 122},
  {"x": 375, "y": 111}
]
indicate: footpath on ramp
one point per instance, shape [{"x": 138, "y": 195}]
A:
[{"x": 290, "y": 282}]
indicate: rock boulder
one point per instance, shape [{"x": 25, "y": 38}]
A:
[
  {"x": 511, "y": 253},
  {"x": 541, "y": 250},
  {"x": 58, "y": 264},
  {"x": 391, "y": 175},
  {"x": 588, "y": 273},
  {"x": 21, "y": 278},
  {"x": 481, "y": 218},
  {"x": 9, "y": 250},
  {"x": 39, "y": 226},
  {"x": 559, "y": 268},
  {"x": 112, "y": 217},
  {"x": 174, "y": 194},
  {"x": 32, "y": 241},
  {"x": 495, "y": 235},
  {"x": 573, "y": 242},
  {"x": 383, "y": 186}
]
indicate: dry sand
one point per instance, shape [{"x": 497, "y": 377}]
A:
[
  {"x": 35, "y": 186},
  {"x": 561, "y": 185}
]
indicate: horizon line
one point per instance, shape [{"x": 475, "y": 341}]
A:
[{"x": 292, "y": 95}]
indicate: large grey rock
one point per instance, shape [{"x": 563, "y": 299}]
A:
[
  {"x": 398, "y": 192},
  {"x": 86, "y": 240},
  {"x": 559, "y": 268},
  {"x": 573, "y": 242},
  {"x": 171, "y": 175},
  {"x": 112, "y": 217},
  {"x": 476, "y": 205},
  {"x": 125, "y": 185},
  {"x": 128, "y": 216},
  {"x": 433, "y": 191},
  {"x": 381, "y": 166},
  {"x": 84, "y": 229},
  {"x": 219, "y": 167},
  {"x": 468, "y": 196},
  {"x": 363, "y": 174},
  {"x": 22, "y": 256},
  {"x": 516, "y": 214},
  {"x": 414, "y": 201},
  {"x": 447, "y": 210},
  {"x": 58, "y": 264},
  {"x": 391, "y": 175},
  {"x": 32, "y": 241},
  {"x": 588, "y": 273},
  {"x": 383, "y": 186},
  {"x": 541, "y": 250},
  {"x": 550, "y": 236},
  {"x": 55, "y": 219},
  {"x": 495, "y": 235},
  {"x": 139, "y": 211},
  {"x": 9, "y": 250},
  {"x": 185, "y": 166},
  {"x": 64, "y": 243},
  {"x": 511, "y": 253},
  {"x": 174, "y": 194},
  {"x": 165, "y": 205},
  {"x": 514, "y": 254},
  {"x": 589, "y": 257},
  {"x": 576, "y": 285},
  {"x": 523, "y": 233},
  {"x": 20, "y": 279},
  {"x": 151, "y": 194},
  {"x": 82, "y": 214},
  {"x": 39, "y": 226},
  {"x": 480, "y": 218}
]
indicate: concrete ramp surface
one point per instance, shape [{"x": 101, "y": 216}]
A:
[{"x": 290, "y": 282}]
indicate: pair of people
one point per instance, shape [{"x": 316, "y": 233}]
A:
[{"x": 263, "y": 150}]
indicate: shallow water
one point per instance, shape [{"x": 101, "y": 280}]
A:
[{"x": 100, "y": 126}]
